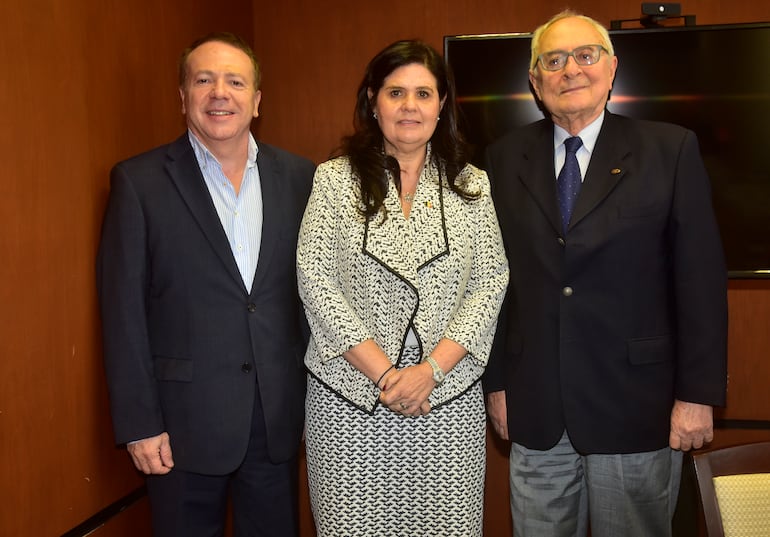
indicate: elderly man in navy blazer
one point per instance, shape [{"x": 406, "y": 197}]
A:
[
  {"x": 203, "y": 331},
  {"x": 611, "y": 346}
]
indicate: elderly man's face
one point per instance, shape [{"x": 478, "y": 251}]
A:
[{"x": 576, "y": 93}]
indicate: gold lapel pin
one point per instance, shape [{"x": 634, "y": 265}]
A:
[{"x": 615, "y": 171}]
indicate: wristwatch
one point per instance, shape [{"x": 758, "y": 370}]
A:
[{"x": 438, "y": 374}]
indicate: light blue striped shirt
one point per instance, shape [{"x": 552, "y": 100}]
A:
[{"x": 241, "y": 214}]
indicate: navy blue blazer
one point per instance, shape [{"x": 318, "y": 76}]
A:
[
  {"x": 186, "y": 346},
  {"x": 604, "y": 326}
]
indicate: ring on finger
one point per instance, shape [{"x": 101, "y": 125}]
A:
[{"x": 403, "y": 406}]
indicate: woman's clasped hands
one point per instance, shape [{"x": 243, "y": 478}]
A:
[{"x": 406, "y": 390}]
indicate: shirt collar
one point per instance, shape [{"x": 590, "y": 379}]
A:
[
  {"x": 206, "y": 158},
  {"x": 589, "y": 134}
]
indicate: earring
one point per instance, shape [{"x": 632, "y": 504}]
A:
[
  {"x": 374, "y": 115},
  {"x": 438, "y": 117}
]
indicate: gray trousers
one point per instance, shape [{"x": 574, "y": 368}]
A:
[{"x": 560, "y": 493}]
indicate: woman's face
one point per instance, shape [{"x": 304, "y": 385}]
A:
[{"x": 407, "y": 108}]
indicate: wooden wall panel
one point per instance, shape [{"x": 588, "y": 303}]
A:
[
  {"x": 134, "y": 521},
  {"x": 748, "y": 351},
  {"x": 85, "y": 83},
  {"x": 314, "y": 53},
  {"x": 90, "y": 82}
]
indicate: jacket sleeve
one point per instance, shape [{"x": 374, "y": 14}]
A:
[
  {"x": 122, "y": 284},
  {"x": 700, "y": 283},
  {"x": 473, "y": 324},
  {"x": 334, "y": 324},
  {"x": 496, "y": 373}
]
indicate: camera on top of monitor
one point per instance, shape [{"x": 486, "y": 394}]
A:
[{"x": 661, "y": 9}]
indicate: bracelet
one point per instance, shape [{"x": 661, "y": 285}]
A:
[{"x": 383, "y": 375}]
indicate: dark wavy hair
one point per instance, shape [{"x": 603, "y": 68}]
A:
[{"x": 365, "y": 147}]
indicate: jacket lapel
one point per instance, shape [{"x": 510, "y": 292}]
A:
[
  {"x": 404, "y": 246},
  {"x": 182, "y": 168},
  {"x": 605, "y": 171},
  {"x": 271, "y": 185},
  {"x": 538, "y": 156},
  {"x": 428, "y": 220}
]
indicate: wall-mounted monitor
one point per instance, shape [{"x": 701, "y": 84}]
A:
[{"x": 714, "y": 80}]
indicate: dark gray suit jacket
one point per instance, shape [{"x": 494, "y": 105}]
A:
[
  {"x": 604, "y": 326},
  {"x": 186, "y": 347}
]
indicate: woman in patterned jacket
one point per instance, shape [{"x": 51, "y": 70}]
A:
[{"x": 402, "y": 272}]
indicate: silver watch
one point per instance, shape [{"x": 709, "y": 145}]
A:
[{"x": 438, "y": 374}]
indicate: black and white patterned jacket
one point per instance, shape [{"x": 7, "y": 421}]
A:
[{"x": 442, "y": 271}]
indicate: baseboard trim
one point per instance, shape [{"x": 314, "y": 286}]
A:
[
  {"x": 741, "y": 424},
  {"x": 100, "y": 519}
]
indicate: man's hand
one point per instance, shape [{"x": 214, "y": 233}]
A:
[
  {"x": 152, "y": 455},
  {"x": 692, "y": 425},
  {"x": 498, "y": 413}
]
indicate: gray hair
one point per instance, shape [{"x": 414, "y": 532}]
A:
[{"x": 566, "y": 14}]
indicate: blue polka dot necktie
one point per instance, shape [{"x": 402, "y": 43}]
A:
[{"x": 569, "y": 180}]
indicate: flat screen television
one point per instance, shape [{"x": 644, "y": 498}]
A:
[{"x": 714, "y": 80}]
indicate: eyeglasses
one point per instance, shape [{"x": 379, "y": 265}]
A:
[{"x": 557, "y": 59}]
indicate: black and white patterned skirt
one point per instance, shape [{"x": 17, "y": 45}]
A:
[{"x": 386, "y": 475}]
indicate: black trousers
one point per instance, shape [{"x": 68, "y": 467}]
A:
[{"x": 263, "y": 496}]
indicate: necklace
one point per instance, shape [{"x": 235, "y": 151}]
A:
[{"x": 408, "y": 197}]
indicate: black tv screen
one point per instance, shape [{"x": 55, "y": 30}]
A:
[{"x": 714, "y": 80}]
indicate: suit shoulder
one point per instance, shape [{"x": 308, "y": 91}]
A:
[
  {"x": 337, "y": 170},
  {"x": 294, "y": 171},
  {"x": 287, "y": 157},
  {"x": 473, "y": 175},
  {"x": 152, "y": 162},
  {"x": 645, "y": 127},
  {"x": 152, "y": 158},
  {"x": 474, "y": 179},
  {"x": 517, "y": 136}
]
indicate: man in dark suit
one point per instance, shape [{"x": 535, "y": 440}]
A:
[
  {"x": 204, "y": 334},
  {"x": 611, "y": 345}
]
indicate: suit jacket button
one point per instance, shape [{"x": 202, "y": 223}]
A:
[
  {"x": 567, "y": 291},
  {"x": 561, "y": 241},
  {"x": 251, "y": 307},
  {"x": 246, "y": 367}
]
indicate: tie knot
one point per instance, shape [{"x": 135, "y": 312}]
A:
[{"x": 573, "y": 144}]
